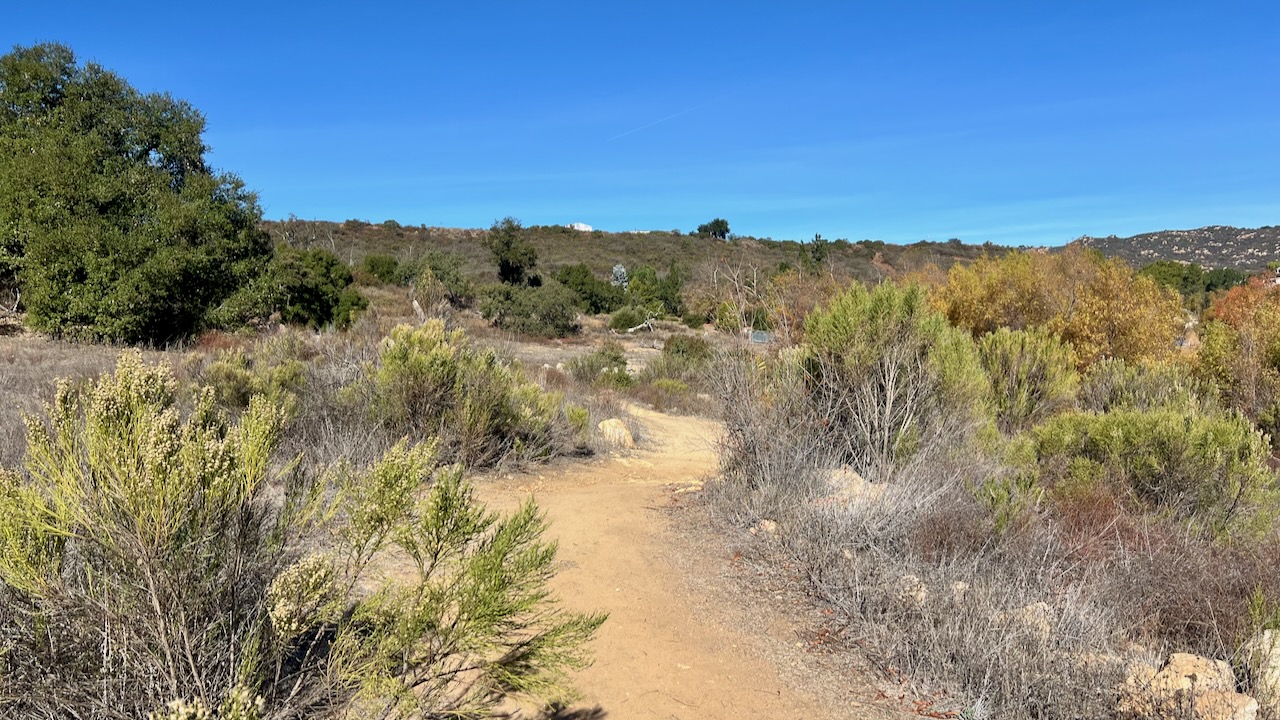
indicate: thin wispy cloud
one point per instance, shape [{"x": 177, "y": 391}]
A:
[
  {"x": 705, "y": 103},
  {"x": 659, "y": 121}
]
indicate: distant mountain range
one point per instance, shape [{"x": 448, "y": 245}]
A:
[{"x": 1215, "y": 246}]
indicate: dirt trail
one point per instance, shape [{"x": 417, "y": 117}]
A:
[{"x": 672, "y": 647}]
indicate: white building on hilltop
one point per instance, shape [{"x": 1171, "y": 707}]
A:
[{"x": 580, "y": 227}]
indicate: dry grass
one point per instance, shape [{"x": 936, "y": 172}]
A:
[
  {"x": 1001, "y": 610},
  {"x": 30, "y": 367},
  {"x": 327, "y": 427}
]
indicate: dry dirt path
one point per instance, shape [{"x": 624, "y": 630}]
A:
[{"x": 680, "y": 642}]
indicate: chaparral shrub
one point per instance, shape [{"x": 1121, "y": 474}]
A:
[
  {"x": 1210, "y": 471},
  {"x": 156, "y": 561},
  {"x": 549, "y": 310},
  {"x": 883, "y": 367},
  {"x": 1032, "y": 375},
  {"x": 429, "y": 381}
]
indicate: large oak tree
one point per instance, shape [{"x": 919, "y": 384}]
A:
[{"x": 111, "y": 221}]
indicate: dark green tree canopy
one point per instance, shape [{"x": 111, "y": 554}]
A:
[
  {"x": 658, "y": 295},
  {"x": 717, "y": 228},
  {"x": 595, "y": 296},
  {"x": 299, "y": 287},
  {"x": 111, "y": 221},
  {"x": 514, "y": 255},
  {"x": 1195, "y": 283}
]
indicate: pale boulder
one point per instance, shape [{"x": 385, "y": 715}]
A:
[
  {"x": 1188, "y": 686},
  {"x": 1185, "y": 671},
  {"x": 848, "y": 487},
  {"x": 911, "y": 591},
  {"x": 768, "y": 527},
  {"x": 1034, "y": 621},
  {"x": 615, "y": 433},
  {"x": 1224, "y": 705},
  {"x": 1262, "y": 658}
]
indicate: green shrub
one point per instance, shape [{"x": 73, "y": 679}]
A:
[
  {"x": 444, "y": 268},
  {"x": 140, "y": 534},
  {"x": 730, "y": 318},
  {"x": 694, "y": 320},
  {"x": 692, "y": 347},
  {"x": 1032, "y": 374},
  {"x": 513, "y": 253},
  {"x": 1010, "y": 498},
  {"x": 350, "y": 304},
  {"x": 1219, "y": 356},
  {"x": 273, "y": 368},
  {"x": 305, "y": 287},
  {"x": 384, "y": 267},
  {"x": 595, "y": 296},
  {"x": 604, "y": 367},
  {"x": 117, "y": 225},
  {"x": 663, "y": 394},
  {"x": 1113, "y": 384},
  {"x": 1196, "y": 284},
  {"x": 1240, "y": 366},
  {"x": 580, "y": 420},
  {"x": 236, "y": 377},
  {"x": 1210, "y": 471},
  {"x": 428, "y": 381},
  {"x": 660, "y": 296},
  {"x": 628, "y": 317},
  {"x": 684, "y": 358},
  {"x": 887, "y": 373},
  {"x": 671, "y": 386},
  {"x": 431, "y": 295},
  {"x": 615, "y": 378},
  {"x": 548, "y": 311}
]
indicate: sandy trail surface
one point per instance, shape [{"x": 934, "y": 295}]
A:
[{"x": 681, "y": 642}]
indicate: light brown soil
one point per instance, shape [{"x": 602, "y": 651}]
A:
[{"x": 682, "y": 640}]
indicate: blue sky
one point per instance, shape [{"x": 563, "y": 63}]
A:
[{"x": 1016, "y": 123}]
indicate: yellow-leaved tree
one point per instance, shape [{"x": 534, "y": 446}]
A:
[{"x": 1098, "y": 305}]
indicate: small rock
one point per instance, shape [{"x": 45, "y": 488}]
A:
[
  {"x": 1034, "y": 621},
  {"x": 911, "y": 591},
  {"x": 1262, "y": 658},
  {"x": 1138, "y": 674},
  {"x": 848, "y": 487},
  {"x": 615, "y": 432},
  {"x": 1136, "y": 700}
]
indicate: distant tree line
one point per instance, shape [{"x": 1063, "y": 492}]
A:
[{"x": 1196, "y": 284}]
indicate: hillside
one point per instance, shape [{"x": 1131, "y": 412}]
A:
[
  {"x": 559, "y": 246},
  {"x": 1215, "y": 246}
]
